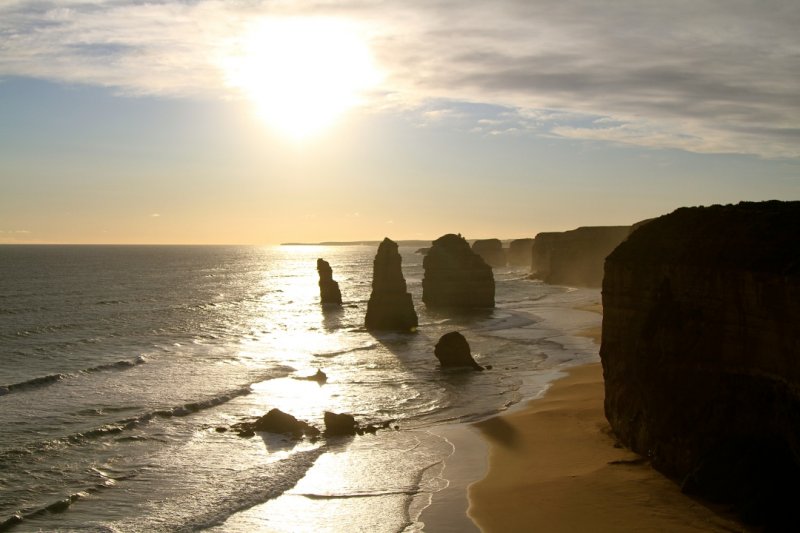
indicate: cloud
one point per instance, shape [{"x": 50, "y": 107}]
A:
[{"x": 700, "y": 75}]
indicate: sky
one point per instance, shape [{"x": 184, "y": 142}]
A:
[{"x": 261, "y": 122}]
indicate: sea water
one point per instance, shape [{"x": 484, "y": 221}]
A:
[{"x": 122, "y": 369}]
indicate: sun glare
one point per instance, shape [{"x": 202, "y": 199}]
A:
[{"x": 301, "y": 73}]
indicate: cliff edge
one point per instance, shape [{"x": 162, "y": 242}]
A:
[
  {"x": 575, "y": 257},
  {"x": 701, "y": 353}
]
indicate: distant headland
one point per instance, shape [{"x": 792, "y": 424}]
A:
[{"x": 358, "y": 243}]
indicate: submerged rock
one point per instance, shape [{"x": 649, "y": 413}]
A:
[
  {"x": 337, "y": 425},
  {"x": 701, "y": 353},
  {"x": 453, "y": 351},
  {"x": 328, "y": 289},
  {"x": 491, "y": 250},
  {"x": 390, "y": 306},
  {"x": 455, "y": 276}
]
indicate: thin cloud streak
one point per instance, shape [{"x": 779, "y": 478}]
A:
[{"x": 703, "y": 76}]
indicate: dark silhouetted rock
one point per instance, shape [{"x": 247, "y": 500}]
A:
[
  {"x": 452, "y": 351},
  {"x": 455, "y": 276},
  {"x": 276, "y": 421},
  {"x": 337, "y": 425},
  {"x": 575, "y": 257},
  {"x": 701, "y": 353},
  {"x": 491, "y": 250},
  {"x": 329, "y": 293},
  {"x": 390, "y": 306},
  {"x": 320, "y": 377},
  {"x": 519, "y": 252}
]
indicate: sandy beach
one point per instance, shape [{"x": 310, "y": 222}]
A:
[{"x": 553, "y": 466}]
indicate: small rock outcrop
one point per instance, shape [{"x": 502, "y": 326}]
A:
[
  {"x": 329, "y": 293},
  {"x": 455, "y": 276},
  {"x": 453, "y": 351},
  {"x": 276, "y": 421},
  {"x": 319, "y": 376},
  {"x": 519, "y": 252},
  {"x": 337, "y": 425},
  {"x": 390, "y": 306},
  {"x": 575, "y": 257},
  {"x": 491, "y": 250},
  {"x": 701, "y": 353}
]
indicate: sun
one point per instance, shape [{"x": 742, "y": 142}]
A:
[{"x": 301, "y": 73}]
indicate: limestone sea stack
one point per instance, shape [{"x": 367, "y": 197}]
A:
[
  {"x": 519, "y": 252},
  {"x": 491, "y": 250},
  {"x": 390, "y": 306},
  {"x": 329, "y": 293},
  {"x": 701, "y": 353},
  {"x": 453, "y": 351},
  {"x": 455, "y": 276}
]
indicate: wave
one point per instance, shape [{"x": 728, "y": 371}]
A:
[
  {"x": 231, "y": 495},
  {"x": 118, "y": 365},
  {"x": 40, "y": 330},
  {"x": 349, "y": 350},
  {"x": 130, "y": 423},
  {"x": 60, "y": 505},
  {"x": 43, "y": 381}
]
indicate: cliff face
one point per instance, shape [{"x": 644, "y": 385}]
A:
[
  {"x": 575, "y": 257},
  {"x": 701, "y": 352},
  {"x": 491, "y": 251},
  {"x": 519, "y": 252},
  {"x": 455, "y": 276},
  {"x": 329, "y": 292},
  {"x": 390, "y": 306}
]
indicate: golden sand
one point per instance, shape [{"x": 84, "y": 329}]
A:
[{"x": 553, "y": 467}]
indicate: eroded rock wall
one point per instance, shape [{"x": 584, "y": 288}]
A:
[
  {"x": 575, "y": 257},
  {"x": 701, "y": 352},
  {"x": 519, "y": 252}
]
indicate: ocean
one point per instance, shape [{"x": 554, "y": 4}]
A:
[{"x": 122, "y": 369}]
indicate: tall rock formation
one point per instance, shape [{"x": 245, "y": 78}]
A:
[
  {"x": 519, "y": 252},
  {"x": 701, "y": 353},
  {"x": 329, "y": 293},
  {"x": 390, "y": 306},
  {"x": 575, "y": 257},
  {"x": 491, "y": 250},
  {"x": 455, "y": 276}
]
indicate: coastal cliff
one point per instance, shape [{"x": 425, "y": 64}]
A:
[
  {"x": 701, "y": 353},
  {"x": 455, "y": 276},
  {"x": 491, "y": 250},
  {"x": 575, "y": 257},
  {"x": 519, "y": 252}
]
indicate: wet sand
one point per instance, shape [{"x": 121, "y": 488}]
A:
[{"x": 553, "y": 466}]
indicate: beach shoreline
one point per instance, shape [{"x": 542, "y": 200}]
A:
[{"x": 555, "y": 466}]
